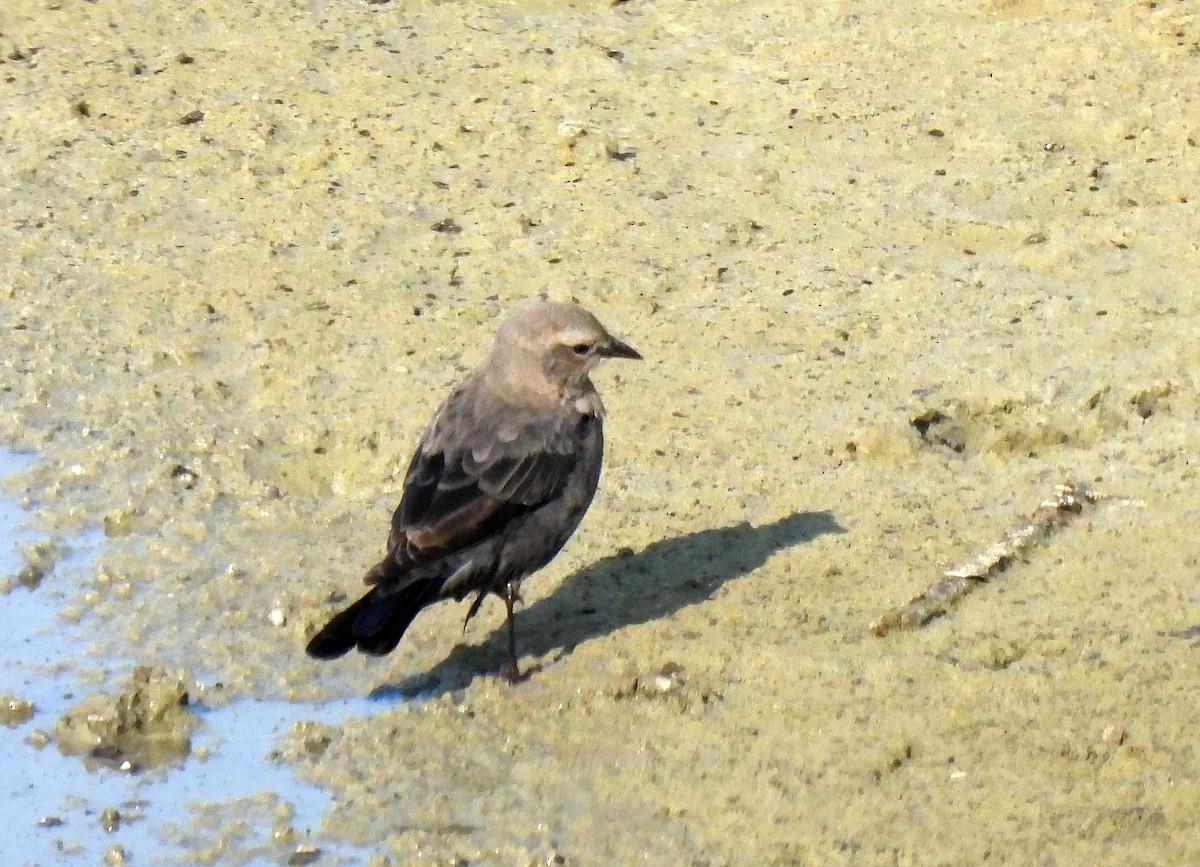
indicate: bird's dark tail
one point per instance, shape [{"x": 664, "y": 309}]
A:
[{"x": 375, "y": 623}]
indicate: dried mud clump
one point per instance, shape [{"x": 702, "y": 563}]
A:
[
  {"x": 40, "y": 560},
  {"x": 670, "y": 683},
  {"x": 147, "y": 723},
  {"x": 13, "y": 710},
  {"x": 1029, "y": 425}
]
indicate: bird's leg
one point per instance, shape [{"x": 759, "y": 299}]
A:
[
  {"x": 511, "y": 594},
  {"x": 474, "y": 608}
]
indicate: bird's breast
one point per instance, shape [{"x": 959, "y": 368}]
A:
[{"x": 589, "y": 404}]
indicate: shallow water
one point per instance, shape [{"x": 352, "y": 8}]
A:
[{"x": 230, "y": 801}]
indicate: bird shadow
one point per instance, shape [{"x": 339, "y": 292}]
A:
[{"x": 622, "y": 590}]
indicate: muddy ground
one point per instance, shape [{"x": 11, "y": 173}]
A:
[{"x": 897, "y": 270}]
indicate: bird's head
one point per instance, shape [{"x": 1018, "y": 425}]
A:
[{"x": 555, "y": 346}]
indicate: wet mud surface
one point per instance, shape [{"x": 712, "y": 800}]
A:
[{"x": 897, "y": 270}]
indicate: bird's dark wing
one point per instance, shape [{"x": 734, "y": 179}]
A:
[{"x": 469, "y": 478}]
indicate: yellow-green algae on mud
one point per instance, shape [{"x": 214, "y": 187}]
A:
[{"x": 246, "y": 247}]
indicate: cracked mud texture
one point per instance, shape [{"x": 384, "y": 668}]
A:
[{"x": 897, "y": 269}]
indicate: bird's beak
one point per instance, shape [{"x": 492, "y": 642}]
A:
[{"x": 618, "y": 349}]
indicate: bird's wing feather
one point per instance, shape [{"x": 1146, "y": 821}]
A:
[{"x": 468, "y": 478}]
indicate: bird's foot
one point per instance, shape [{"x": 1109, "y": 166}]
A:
[{"x": 511, "y": 672}]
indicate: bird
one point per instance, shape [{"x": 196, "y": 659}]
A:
[{"x": 500, "y": 480}]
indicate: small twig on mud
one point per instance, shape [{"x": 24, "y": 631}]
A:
[{"x": 1049, "y": 517}]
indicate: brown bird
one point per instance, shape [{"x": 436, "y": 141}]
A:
[{"x": 501, "y": 479}]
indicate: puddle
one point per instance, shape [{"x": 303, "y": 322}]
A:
[{"x": 228, "y": 803}]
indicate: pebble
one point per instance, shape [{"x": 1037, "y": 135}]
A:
[{"x": 1113, "y": 734}]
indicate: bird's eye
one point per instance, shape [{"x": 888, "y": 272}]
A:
[{"x": 581, "y": 348}]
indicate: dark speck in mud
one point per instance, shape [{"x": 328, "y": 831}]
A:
[{"x": 184, "y": 477}]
